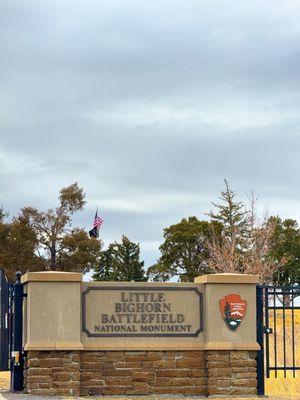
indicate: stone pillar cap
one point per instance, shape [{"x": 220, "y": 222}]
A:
[
  {"x": 227, "y": 278},
  {"x": 51, "y": 276}
]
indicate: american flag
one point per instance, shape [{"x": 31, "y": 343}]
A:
[
  {"x": 97, "y": 222},
  {"x": 97, "y": 225}
]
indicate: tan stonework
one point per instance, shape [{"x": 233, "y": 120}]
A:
[
  {"x": 227, "y": 278},
  {"x": 231, "y": 372},
  {"x": 72, "y": 318},
  {"x": 53, "y": 373},
  {"x": 143, "y": 372},
  {"x": 66, "y": 354},
  {"x": 51, "y": 276},
  {"x": 140, "y": 372}
]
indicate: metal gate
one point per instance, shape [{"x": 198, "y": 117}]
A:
[
  {"x": 11, "y": 321},
  {"x": 5, "y": 322},
  {"x": 278, "y": 327}
]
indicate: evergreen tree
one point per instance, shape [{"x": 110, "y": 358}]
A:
[
  {"x": 232, "y": 214},
  {"x": 120, "y": 262},
  {"x": 285, "y": 246},
  {"x": 245, "y": 242},
  {"x": 184, "y": 253}
]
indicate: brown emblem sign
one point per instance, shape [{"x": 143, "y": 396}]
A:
[{"x": 233, "y": 310}]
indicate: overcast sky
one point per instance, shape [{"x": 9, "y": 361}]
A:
[{"x": 149, "y": 105}]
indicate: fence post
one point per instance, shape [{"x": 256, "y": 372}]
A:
[
  {"x": 16, "y": 356},
  {"x": 260, "y": 341}
]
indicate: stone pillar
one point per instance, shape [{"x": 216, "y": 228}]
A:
[
  {"x": 52, "y": 333},
  {"x": 230, "y": 341}
]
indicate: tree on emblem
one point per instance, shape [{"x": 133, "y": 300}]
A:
[{"x": 227, "y": 312}]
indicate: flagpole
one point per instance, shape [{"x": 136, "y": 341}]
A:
[{"x": 97, "y": 229}]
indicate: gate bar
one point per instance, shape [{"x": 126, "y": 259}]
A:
[
  {"x": 266, "y": 330},
  {"x": 17, "y": 357},
  {"x": 260, "y": 341},
  {"x": 293, "y": 333}
]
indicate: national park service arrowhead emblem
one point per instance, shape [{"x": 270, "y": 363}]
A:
[{"x": 233, "y": 310}]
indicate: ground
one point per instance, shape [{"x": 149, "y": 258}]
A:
[{"x": 10, "y": 396}]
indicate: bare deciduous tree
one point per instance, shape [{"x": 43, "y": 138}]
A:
[{"x": 248, "y": 246}]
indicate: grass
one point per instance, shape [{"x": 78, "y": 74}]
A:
[
  {"x": 288, "y": 386},
  {"x": 4, "y": 380}
]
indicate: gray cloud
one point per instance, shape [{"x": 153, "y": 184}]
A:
[{"x": 148, "y": 105}]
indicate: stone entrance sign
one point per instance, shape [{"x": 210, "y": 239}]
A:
[
  {"x": 141, "y": 311},
  {"x": 139, "y": 338}
]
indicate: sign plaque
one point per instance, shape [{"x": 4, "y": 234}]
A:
[{"x": 137, "y": 311}]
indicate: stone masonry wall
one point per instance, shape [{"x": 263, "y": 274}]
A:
[
  {"x": 231, "y": 372},
  {"x": 143, "y": 372},
  {"x": 140, "y": 372},
  {"x": 52, "y": 373}
]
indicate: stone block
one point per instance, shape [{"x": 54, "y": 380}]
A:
[
  {"x": 135, "y": 357},
  {"x": 242, "y": 391},
  {"x": 181, "y": 382},
  {"x": 217, "y": 364},
  {"x": 138, "y": 388},
  {"x": 118, "y": 381},
  {"x": 164, "y": 364},
  {"x": 39, "y": 379},
  {"x": 167, "y": 390},
  {"x": 128, "y": 365},
  {"x": 245, "y": 375},
  {"x": 38, "y": 371},
  {"x": 244, "y": 382},
  {"x": 196, "y": 373},
  {"x": 61, "y": 376},
  {"x": 108, "y": 390},
  {"x": 87, "y": 376},
  {"x": 193, "y": 353},
  {"x": 239, "y": 355},
  {"x": 93, "y": 383},
  {"x": 117, "y": 355},
  {"x": 220, "y": 372},
  {"x": 219, "y": 382},
  {"x": 154, "y": 355},
  {"x": 190, "y": 362},
  {"x": 214, "y": 390},
  {"x": 243, "y": 363},
  {"x": 217, "y": 357},
  {"x": 32, "y": 385},
  {"x": 200, "y": 381},
  {"x": 172, "y": 373},
  {"x": 92, "y": 391},
  {"x": 117, "y": 372},
  {"x": 142, "y": 376},
  {"x": 195, "y": 391},
  {"x": 161, "y": 381}
]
